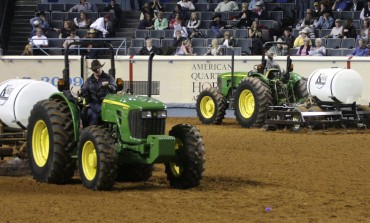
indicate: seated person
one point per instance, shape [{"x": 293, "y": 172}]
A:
[
  {"x": 83, "y": 6},
  {"x": 149, "y": 48},
  {"x": 70, "y": 39},
  {"x": 270, "y": 63},
  {"x": 99, "y": 79},
  {"x": 39, "y": 41},
  {"x": 83, "y": 22}
]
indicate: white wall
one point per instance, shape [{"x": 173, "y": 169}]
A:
[{"x": 181, "y": 78}]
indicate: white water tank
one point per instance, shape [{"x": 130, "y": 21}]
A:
[
  {"x": 17, "y": 98},
  {"x": 345, "y": 85}
]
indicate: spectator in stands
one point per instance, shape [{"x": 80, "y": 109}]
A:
[
  {"x": 66, "y": 30},
  {"x": 146, "y": 23},
  {"x": 227, "y": 6},
  {"x": 178, "y": 39},
  {"x": 90, "y": 52},
  {"x": 83, "y": 6},
  {"x": 310, "y": 30},
  {"x": 356, "y": 5},
  {"x": 176, "y": 23},
  {"x": 349, "y": 30},
  {"x": 365, "y": 12},
  {"x": 27, "y": 50},
  {"x": 83, "y": 22},
  {"x": 245, "y": 17},
  {"x": 186, "y": 49},
  {"x": 252, "y": 5},
  {"x": 256, "y": 34},
  {"x": 316, "y": 11},
  {"x": 336, "y": 31},
  {"x": 156, "y": 7},
  {"x": 116, "y": 10},
  {"x": 149, "y": 48},
  {"x": 180, "y": 11},
  {"x": 132, "y": 4},
  {"x": 300, "y": 40},
  {"x": 42, "y": 22},
  {"x": 182, "y": 29},
  {"x": 146, "y": 10},
  {"x": 361, "y": 49},
  {"x": 216, "y": 25},
  {"x": 36, "y": 26},
  {"x": 160, "y": 23},
  {"x": 305, "y": 48},
  {"x": 279, "y": 49},
  {"x": 186, "y": 5},
  {"x": 193, "y": 23},
  {"x": 260, "y": 12},
  {"x": 104, "y": 27},
  {"x": 228, "y": 40},
  {"x": 39, "y": 41},
  {"x": 288, "y": 37},
  {"x": 70, "y": 39},
  {"x": 302, "y": 7},
  {"x": 302, "y": 23},
  {"x": 318, "y": 50},
  {"x": 325, "y": 21},
  {"x": 339, "y": 5},
  {"x": 364, "y": 32},
  {"x": 214, "y": 49}
]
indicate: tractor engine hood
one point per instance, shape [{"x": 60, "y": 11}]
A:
[{"x": 134, "y": 102}]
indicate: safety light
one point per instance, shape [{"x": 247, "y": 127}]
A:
[
  {"x": 61, "y": 84},
  {"x": 119, "y": 83},
  {"x": 146, "y": 114},
  {"x": 291, "y": 67}
]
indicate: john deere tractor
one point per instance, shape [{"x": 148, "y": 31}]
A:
[
  {"x": 251, "y": 93},
  {"x": 124, "y": 146}
]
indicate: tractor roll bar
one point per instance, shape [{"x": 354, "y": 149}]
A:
[{"x": 112, "y": 70}]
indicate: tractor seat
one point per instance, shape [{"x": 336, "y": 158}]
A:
[{"x": 272, "y": 73}]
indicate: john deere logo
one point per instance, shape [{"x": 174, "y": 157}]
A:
[{"x": 320, "y": 81}]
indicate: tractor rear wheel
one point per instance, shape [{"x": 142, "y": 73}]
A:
[
  {"x": 211, "y": 106},
  {"x": 300, "y": 90},
  {"x": 297, "y": 128},
  {"x": 97, "y": 158},
  {"x": 187, "y": 169},
  {"x": 252, "y": 97},
  {"x": 50, "y": 142},
  {"x": 134, "y": 172}
]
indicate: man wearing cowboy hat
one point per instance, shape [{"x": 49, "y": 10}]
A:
[
  {"x": 270, "y": 63},
  {"x": 95, "y": 88}
]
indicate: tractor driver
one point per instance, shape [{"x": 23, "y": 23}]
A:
[
  {"x": 270, "y": 63},
  {"x": 95, "y": 88}
]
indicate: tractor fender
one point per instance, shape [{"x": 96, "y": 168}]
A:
[
  {"x": 262, "y": 77},
  {"x": 294, "y": 78},
  {"x": 74, "y": 111}
]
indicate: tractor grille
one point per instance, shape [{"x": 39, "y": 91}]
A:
[{"x": 141, "y": 128}]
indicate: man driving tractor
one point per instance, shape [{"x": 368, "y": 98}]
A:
[{"x": 95, "y": 88}]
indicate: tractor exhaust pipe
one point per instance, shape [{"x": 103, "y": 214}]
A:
[
  {"x": 150, "y": 65},
  {"x": 232, "y": 68}
]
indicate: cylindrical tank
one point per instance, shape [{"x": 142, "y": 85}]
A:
[
  {"x": 345, "y": 85},
  {"x": 17, "y": 98}
]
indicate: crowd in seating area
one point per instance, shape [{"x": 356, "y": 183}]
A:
[{"x": 305, "y": 28}]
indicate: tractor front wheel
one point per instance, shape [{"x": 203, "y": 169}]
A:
[
  {"x": 50, "y": 142},
  {"x": 211, "y": 106},
  {"x": 97, "y": 158},
  {"x": 187, "y": 169},
  {"x": 252, "y": 97}
]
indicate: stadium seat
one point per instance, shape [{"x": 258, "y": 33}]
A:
[
  {"x": 237, "y": 51},
  {"x": 200, "y": 50},
  {"x": 348, "y": 43},
  {"x": 169, "y": 7},
  {"x": 56, "y": 24},
  {"x": 72, "y": 15},
  {"x": 333, "y": 43},
  {"x": 156, "y": 42},
  {"x": 272, "y": 6},
  {"x": 156, "y": 34},
  {"x": 324, "y": 32},
  {"x": 202, "y": 7},
  {"x": 288, "y": 9},
  {"x": 141, "y": 33},
  {"x": 57, "y": 7},
  {"x": 198, "y": 42},
  {"x": 58, "y": 16},
  {"x": 245, "y": 45},
  {"x": 333, "y": 52},
  {"x": 138, "y": 42},
  {"x": 267, "y": 23},
  {"x": 133, "y": 50},
  {"x": 166, "y": 42},
  {"x": 276, "y": 15},
  {"x": 241, "y": 33},
  {"x": 347, "y": 52},
  {"x": 81, "y": 32},
  {"x": 168, "y": 33},
  {"x": 43, "y": 7},
  {"x": 206, "y": 16},
  {"x": 293, "y": 51},
  {"x": 100, "y": 6},
  {"x": 205, "y": 24}
]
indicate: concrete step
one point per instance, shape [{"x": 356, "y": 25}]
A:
[
  {"x": 25, "y": 7},
  {"x": 25, "y": 13}
]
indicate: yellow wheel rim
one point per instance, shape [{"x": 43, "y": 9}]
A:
[
  {"x": 175, "y": 168},
  {"x": 246, "y": 104},
  {"x": 207, "y": 107},
  {"x": 40, "y": 143},
  {"x": 89, "y": 160}
]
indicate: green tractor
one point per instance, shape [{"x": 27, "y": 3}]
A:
[
  {"x": 124, "y": 147},
  {"x": 251, "y": 93}
]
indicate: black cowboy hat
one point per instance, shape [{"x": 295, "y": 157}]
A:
[{"x": 95, "y": 64}]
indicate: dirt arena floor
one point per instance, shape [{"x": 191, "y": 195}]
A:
[{"x": 251, "y": 176}]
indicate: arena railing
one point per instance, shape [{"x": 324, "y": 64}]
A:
[{"x": 119, "y": 44}]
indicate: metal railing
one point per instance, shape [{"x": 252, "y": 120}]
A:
[{"x": 56, "y": 44}]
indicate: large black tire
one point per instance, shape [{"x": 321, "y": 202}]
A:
[
  {"x": 300, "y": 90},
  {"x": 365, "y": 119},
  {"x": 97, "y": 158},
  {"x": 50, "y": 142},
  {"x": 211, "y": 106},
  {"x": 252, "y": 98},
  {"x": 134, "y": 172},
  {"x": 186, "y": 172}
]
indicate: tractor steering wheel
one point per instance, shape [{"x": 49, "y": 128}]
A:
[{"x": 103, "y": 91}]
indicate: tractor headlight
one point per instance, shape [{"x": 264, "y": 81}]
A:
[
  {"x": 146, "y": 114},
  {"x": 161, "y": 114}
]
